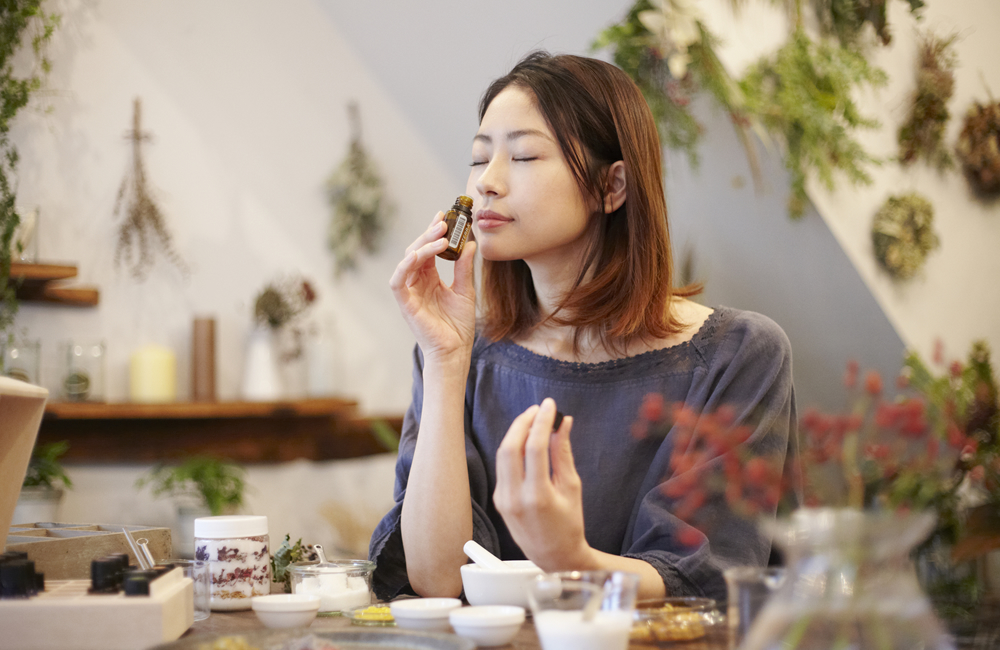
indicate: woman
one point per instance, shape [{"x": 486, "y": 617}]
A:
[{"x": 578, "y": 310}]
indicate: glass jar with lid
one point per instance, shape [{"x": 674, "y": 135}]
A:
[
  {"x": 341, "y": 584},
  {"x": 237, "y": 550}
]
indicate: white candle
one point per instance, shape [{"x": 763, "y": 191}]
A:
[{"x": 153, "y": 375}]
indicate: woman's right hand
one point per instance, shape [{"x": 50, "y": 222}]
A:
[{"x": 442, "y": 318}]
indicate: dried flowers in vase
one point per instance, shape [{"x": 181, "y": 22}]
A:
[
  {"x": 144, "y": 225},
  {"x": 978, "y": 147},
  {"x": 358, "y": 202},
  {"x": 922, "y": 135},
  {"x": 279, "y": 304},
  {"x": 903, "y": 235}
]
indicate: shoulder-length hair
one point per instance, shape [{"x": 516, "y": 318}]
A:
[{"x": 624, "y": 289}]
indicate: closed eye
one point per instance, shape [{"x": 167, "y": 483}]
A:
[
  {"x": 477, "y": 163},
  {"x": 528, "y": 159}
]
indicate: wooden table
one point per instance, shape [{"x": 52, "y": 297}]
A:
[{"x": 243, "y": 622}]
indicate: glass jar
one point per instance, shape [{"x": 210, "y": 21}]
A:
[
  {"x": 849, "y": 583},
  {"x": 237, "y": 550},
  {"x": 341, "y": 584},
  {"x": 83, "y": 371},
  {"x": 21, "y": 359}
]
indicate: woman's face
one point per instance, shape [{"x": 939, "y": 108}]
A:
[{"x": 528, "y": 204}]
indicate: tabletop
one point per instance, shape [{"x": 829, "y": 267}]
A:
[{"x": 233, "y": 623}]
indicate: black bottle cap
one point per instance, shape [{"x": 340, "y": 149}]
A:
[
  {"x": 16, "y": 578},
  {"x": 39, "y": 582},
  {"x": 137, "y": 582},
  {"x": 105, "y": 575},
  {"x": 558, "y": 421}
]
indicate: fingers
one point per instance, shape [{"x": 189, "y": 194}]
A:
[
  {"x": 510, "y": 457},
  {"x": 563, "y": 467},
  {"x": 536, "y": 448},
  {"x": 436, "y": 230},
  {"x": 464, "y": 283}
]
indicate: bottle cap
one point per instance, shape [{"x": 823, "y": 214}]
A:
[
  {"x": 17, "y": 578},
  {"x": 137, "y": 582},
  {"x": 105, "y": 575},
  {"x": 228, "y": 526}
]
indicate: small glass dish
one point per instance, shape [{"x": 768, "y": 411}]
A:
[
  {"x": 377, "y": 615},
  {"x": 674, "y": 620}
]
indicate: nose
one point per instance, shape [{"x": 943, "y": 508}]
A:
[{"x": 491, "y": 181}]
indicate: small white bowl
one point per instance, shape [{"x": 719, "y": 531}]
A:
[
  {"x": 499, "y": 587},
  {"x": 488, "y": 625},
  {"x": 429, "y": 614},
  {"x": 285, "y": 610}
]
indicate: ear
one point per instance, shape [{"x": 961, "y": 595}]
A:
[{"x": 615, "y": 190}]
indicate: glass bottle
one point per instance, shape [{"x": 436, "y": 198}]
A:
[{"x": 459, "y": 220}]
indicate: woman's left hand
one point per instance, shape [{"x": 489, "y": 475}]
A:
[{"x": 543, "y": 510}]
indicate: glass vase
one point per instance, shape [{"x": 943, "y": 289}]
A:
[{"x": 850, "y": 583}]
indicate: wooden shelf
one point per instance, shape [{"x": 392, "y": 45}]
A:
[
  {"x": 245, "y": 432},
  {"x": 43, "y": 283}
]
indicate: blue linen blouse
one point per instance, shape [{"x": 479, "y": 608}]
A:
[{"x": 737, "y": 358}]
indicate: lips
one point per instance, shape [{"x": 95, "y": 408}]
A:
[{"x": 487, "y": 219}]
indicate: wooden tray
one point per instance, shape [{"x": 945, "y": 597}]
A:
[{"x": 64, "y": 551}]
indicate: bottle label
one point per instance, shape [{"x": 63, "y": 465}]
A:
[{"x": 456, "y": 233}]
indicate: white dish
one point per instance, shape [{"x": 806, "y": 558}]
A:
[
  {"x": 488, "y": 625},
  {"x": 504, "y": 587},
  {"x": 429, "y": 614},
  {"x": 285, "y": 610}
]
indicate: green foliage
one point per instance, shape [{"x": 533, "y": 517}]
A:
[
  {"x": 44, "y": 469},
  {"x": 804, "y": 94},
  {"x": 286, "y": 555},
  {"x": 846, "y": 19},
  {"x": 216, "y": 484},
  {"x": 16, "y": 16},
  {"x": 638, "y": 52}
]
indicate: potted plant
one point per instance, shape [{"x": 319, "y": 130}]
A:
[
  {"x": 42, "y": 490},
  {"x": 203, "y": 486}
]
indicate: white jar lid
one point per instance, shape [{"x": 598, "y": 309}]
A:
[{"x": 228, "y": 526}]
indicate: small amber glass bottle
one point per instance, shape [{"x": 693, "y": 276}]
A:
[{"x": 459, "y": 220}]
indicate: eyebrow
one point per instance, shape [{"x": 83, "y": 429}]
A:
[{"x": 513, "y": 135}]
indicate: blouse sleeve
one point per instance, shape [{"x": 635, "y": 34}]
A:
[
  {"x": 386, "y": 548},
  {"x": 751, "y": 372}
]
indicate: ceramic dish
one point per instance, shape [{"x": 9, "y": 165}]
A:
[
  {"x": 371, "y": 616},
  {"x": 488, "y": 625},
  {"x": 670, "y": 620},
  {"x": 285, "y": 610},
  {"x": 429, "y": 614}
]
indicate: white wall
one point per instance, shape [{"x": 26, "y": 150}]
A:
[{"x": 246, "y": 103}]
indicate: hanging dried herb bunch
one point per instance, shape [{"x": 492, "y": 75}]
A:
[
  {"x": 922, "y": 135},
  {"x": 979, "y": 147},
  {"x": 666, "y": 48},
  {"x": 804, "y": 94},
  {"x": 903, "y": 235},
  {"x": 144, "y": 227},
  {"x": 846, "y": 19},
  {"x": 358, "y": 202}
]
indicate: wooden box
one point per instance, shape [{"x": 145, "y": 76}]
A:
[{"x": 64, "y": 551}]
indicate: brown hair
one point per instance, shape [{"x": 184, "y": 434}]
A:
[{"x": 598, "y": 116}]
